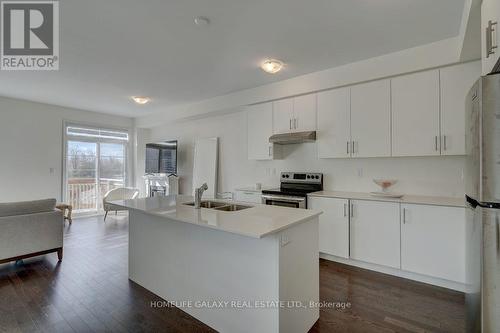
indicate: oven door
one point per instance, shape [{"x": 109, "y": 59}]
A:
[{"x": 284, "y": 201}]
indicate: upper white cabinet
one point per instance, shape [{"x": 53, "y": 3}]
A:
[
  {"x": 333, "y": 225},
  {"x": 490, "y": 38},
  {"x": 371, "y": 119},
  {"x": 419, "y": 114},
  {"x": 415, "y": 114},
  {"x": 334, "y": 122},
  {"x": 375, "y": 232},
  {"x": 295, "y": 114},
  {"x": 433, "y": 241},
  {"x": 260, "y": 128},
  {"x": 282, "y": 116},
  {"x": 355, "y": 122},
  {"x": 455, "y": 84},
  {"x": 304, "y": 111}
]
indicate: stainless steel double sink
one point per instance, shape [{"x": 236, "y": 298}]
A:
[{"x": 218, "y": 205}]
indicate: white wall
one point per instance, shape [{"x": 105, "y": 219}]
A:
[
  {"x": 31, "y": 144},
  {"x": 440, "y": 176},
  {"x": 419, "y": 58}
]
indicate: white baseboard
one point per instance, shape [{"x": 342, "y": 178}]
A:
[{"x": 397, "y": 272}]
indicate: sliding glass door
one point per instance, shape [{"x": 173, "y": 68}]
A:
[
  {"x": 96, "y": 162},
  {"x": 111, "y": 163}
]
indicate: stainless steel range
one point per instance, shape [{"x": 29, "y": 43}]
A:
[{"x": 294, "y": 187}]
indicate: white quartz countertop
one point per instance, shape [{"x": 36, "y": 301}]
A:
[
  {"x": 257, "y": 221},
  {"x": 409, "y": 199}
]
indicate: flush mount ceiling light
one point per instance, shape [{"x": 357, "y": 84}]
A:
[
  {"x": 271, "y": 66},
  {"x": 201, "y": 21},
  {"x": 141, "y": 99}
]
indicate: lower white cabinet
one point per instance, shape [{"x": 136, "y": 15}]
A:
[
  {"x": 375, "y": 232},
  {"x": 248, "y": 196},
  {"x": 426, "y": 240},
  {"x": 433, "y": 241},
  {"x": 333, "y": 225}
]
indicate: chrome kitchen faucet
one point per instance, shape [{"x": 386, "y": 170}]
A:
[{"x": 198, "y": 193}]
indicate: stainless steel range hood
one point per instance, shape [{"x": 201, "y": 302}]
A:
[{"x": 295, "y": 137}]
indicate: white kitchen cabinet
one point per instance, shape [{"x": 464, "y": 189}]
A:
[
  {"x": 333, "y": 134},
  {"x": 282, "y": 116},
  {"x": 375, "y": 232},
  {"x": 259, "y": 129},
  {"x": 415, "y": 114},
  {"x": 296, "y": 114},
  {"x": 456, "y": 82},
  {"x": 433, "y": 241},
  {"x": 304, "y": 113},
  {"x": 490, "y": 38},
  {"x": 371, "y": 119},
  {"x": 248, "y": 196},
  {"x": 333, "y": 225}
]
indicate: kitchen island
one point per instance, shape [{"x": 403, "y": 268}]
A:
[{"x": 250, "y": 270}]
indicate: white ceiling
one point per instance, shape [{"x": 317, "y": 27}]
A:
[{"x": 112, "y": 49}]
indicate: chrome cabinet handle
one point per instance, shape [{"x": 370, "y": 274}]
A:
[
  {"x": 404, "y": 215},
  {"x": 444, "y": 142},
  {"x": 270, "y": 151},
  {"x": 352, "y": 210},
  {"x": 436, "y": 143},
  {"x": 295, "y": 123},
  {"x": 290, "y": 123},
  {"x": 347, "y": 147},
  {"x": 489, "y": 39},
  {"x": 497, "y": 224},
  {"x": 345, "y": 210}
]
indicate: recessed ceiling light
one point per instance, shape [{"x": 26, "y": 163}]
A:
[
  {"x": 201, "y": 21},
  {"x": 271, "y": 66},
  {"x": 141, "y": 99}
]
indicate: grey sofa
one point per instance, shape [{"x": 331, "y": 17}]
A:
[{"x": 30, "y": 228}]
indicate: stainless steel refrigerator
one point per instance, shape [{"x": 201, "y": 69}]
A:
[{"x": 482, "y": 179}]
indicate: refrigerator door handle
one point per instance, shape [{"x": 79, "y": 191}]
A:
[{"x": 497, "y": 227}]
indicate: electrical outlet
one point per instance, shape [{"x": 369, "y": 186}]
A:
[{"x": 360, "y": 172}]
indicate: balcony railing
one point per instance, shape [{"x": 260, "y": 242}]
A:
[{"x": 83, "y": 196}]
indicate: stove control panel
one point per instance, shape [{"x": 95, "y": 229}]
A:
[{"x": 301, "y": 177}]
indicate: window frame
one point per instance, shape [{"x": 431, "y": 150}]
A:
[{"x": 68, "y": 137}]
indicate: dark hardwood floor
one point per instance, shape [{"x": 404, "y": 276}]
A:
[{"x": 90, "y": 292}]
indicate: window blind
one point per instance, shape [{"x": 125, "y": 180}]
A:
[{"x": 97, "y": 133}]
